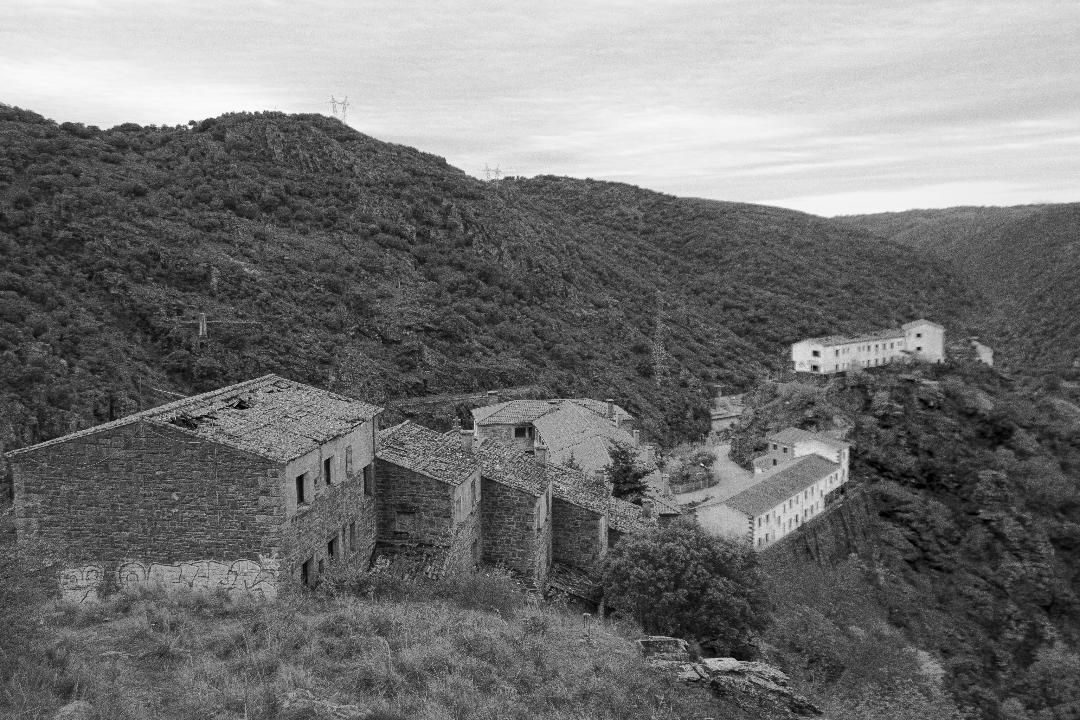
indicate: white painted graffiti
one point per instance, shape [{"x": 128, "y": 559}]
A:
[
  {"x": 253, "y": 576},
  {"x": 81, "y": 584},
  {"x": 258, "y": 577}
]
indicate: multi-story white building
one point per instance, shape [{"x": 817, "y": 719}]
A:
[
  {"x": 920, "y": 339},
  {"x": 794, "y": 477}
]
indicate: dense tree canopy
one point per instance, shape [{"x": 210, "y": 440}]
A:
[{"x": 683, "y": 582}]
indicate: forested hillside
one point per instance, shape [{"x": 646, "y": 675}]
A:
[
  {"x": 1024, "y": 259},
  {"x": 325, "y": 255},
  {"x": 973, "y": 549}
]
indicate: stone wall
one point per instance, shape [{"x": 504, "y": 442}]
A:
[
  {"x": 578, "y": 536},
  {"x": 150, "y": 493},
  {"x": 333, "y": 510},
  {"x": 416, "y": 514},
  {"x": 510, "y": 533}
]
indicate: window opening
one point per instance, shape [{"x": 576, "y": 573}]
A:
[
  {"x": 369, "y": 479},
  {"x": 300, "y": 480},
  {"x": 327, "y": 468}
]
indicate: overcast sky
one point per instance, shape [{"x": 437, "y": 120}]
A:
[{"x": 828, "y": 106}]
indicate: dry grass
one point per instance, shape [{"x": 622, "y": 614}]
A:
[{"x": 472, "y": 647}]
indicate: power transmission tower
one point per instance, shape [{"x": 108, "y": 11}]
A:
[
  {"x": 659, "y": 352},
  {"x": 341, "y": 106},
  {"x": 203, "y": 336},
  {"x": 492, "y": 173}
]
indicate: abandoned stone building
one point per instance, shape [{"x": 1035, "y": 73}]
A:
[
  {"x": 429, "y": 495},
  {"x": 795, "y": 481},
  {"x": 238, "y": 489},
  {"x": 270, "y": 480},
  {"x": 920, "y": 340},
  {"x": 577, "y": 431},
  {"x": 516, "y": 511}
]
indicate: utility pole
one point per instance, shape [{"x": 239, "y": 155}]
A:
[{"x": 659, "y": 353}]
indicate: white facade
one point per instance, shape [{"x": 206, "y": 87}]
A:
[
  {"x": 920, "y": 339},
  {"x": 786, "y": 517},
  {"x": 789, "y": 444}
]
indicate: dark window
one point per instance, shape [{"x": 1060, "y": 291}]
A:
[
  {"x": 332, "y": 549},
  {"x": 348, "y": 461},
  {"x": 774, "y": 461},
  {"x": 918, "y": 348},
  {"x": 405, "y": 521},
  {"x": 785, "y": 449},
  {"x": 327, "y": 468},
  {"x": 519, "y": 432},
  {"x": 300, "y": 479},
  {"x": 918, "y": 335},
  {"x": 814, "y": 368},
  {"x": 369, "y": 479},
  {"x": 815, "y": 353},
  {"x": 837, "y": 353},
  {"x": 305, "y": 572}
]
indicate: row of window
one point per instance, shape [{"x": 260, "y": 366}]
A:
[
  {"x": 305, "y": 492},
  {"x": 310, "y": 573}
]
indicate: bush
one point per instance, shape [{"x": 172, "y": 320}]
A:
[{"x": 683, "y": 582}]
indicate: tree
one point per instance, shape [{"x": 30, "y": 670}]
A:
[
  {"x": 683, "y": 582},
  {"x": 626, "y": 475}
]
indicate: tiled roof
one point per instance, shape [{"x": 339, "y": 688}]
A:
[
  {"x": 600, "y": 407},
  {"x": 790, "y": 480},
  {"x": 269, "y": 416},
  {"x": 523, "y": 411},
  {"x": 921, "y": 321},
  {"x": 510, "y": 467},
  {"x": 438, "y": 456},
  {"x": 790, "y": 436},
  {"x": 575, "y": 488},
  {"x": 574, "y": 581},
  {"x": 513, "y": 412},
  {"x": 627, "y": 517},
  {"x": 831, "y": 340}
]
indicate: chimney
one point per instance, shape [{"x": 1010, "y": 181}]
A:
[
  {"x": 611, "y": 408},
  {"x": 540, "y": 452},
  {"x": 466, "y": 439},
  {"x": 665, "y": 483},
  {"x": 600, "y": 478},
  {"x": 637, "y": 437},
  {"x": 647, "y": 509},
  {"x": 493, "y": 396}
]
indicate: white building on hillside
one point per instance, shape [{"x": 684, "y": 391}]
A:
[
  {"x": 791, "y": 443},
  {"x": 920, "y": 339},
  {"x": 793, "y": 479}
]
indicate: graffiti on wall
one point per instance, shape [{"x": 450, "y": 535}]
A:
[
  {"x": 81, "y": 584},
  {"x": 257, "y": 577}
]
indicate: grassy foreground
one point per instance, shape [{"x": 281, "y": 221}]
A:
[{"x": 382, "y": 648}]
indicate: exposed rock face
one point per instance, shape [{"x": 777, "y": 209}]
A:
[{"x": 754, "y": 687}]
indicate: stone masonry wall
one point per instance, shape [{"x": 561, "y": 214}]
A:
[
  {"x": 145, "y": 504},
  {"x": 509, "y": 529},
  {"x": 147, "y": 492},
  {"x": 578, "y": 536},
  {"x": 464, "y": 550},
  {"x": 431, "y": 502},
  {"x": 331, "y": 508}
]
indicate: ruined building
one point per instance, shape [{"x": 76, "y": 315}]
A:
[{"x": 239, "y": 489}]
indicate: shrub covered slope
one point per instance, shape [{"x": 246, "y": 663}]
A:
[
  {"x": 974, "y": 545},
  {"x": 328, "y": 256},
  {"x": 1024, "y": 259}
]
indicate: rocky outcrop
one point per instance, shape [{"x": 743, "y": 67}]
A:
[{"x": 758, "y": 689}]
